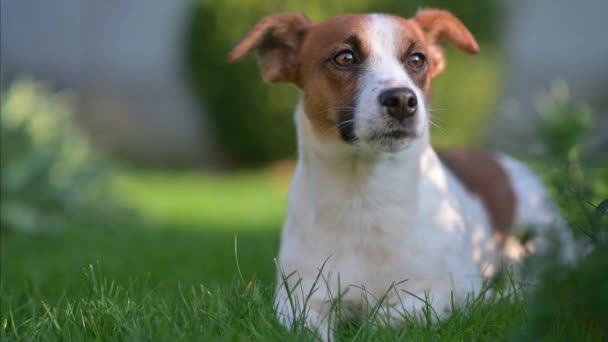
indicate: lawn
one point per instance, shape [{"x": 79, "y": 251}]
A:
[{"x": 197, "y": 265}]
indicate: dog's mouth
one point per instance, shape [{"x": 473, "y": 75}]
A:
[
  {"x": 393, "y": 139},
  {"x": 396, "y": 134},
  {"x": 393, "y": 134},
  {"x": 379, "y": 132}
]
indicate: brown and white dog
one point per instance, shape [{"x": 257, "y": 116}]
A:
[{"x": 371, "y": 202}]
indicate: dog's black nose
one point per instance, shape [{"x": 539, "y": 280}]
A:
[{"x": 399, "y": 103}]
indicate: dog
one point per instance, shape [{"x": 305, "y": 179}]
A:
[{"x": 375, "y": 216}]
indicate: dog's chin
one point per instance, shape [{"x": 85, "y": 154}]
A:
[{"x": 391, "y": 141}]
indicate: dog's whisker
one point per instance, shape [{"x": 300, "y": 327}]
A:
[
  {"x": 441, "y": 129},
  {"x": 344, "y": 123},
  {"x": 436, "y": 109}
]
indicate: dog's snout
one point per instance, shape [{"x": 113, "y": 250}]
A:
[{"x": 399, "y": 103}]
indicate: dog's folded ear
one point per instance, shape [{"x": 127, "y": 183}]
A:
[
  {"x": 439, "y": 26},
  {"x": 277, "y": 40}
]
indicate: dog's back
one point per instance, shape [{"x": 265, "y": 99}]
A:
[{"x": 515, "y": 199}]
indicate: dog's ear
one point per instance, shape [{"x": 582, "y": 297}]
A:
[
  {"x": 439, "y": 25},
  {"x": 276, "y": 39}
]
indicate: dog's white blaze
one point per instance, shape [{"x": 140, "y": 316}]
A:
[{"x": 383, "y": 69}]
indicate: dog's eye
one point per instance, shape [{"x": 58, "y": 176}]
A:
[
  {"x": 345, "y": 58},
  {"x": 416, "y": 61}
]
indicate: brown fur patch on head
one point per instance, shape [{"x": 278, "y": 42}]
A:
[
  {"x": 482, "y": 175},
  {"x": 329, "y": 93}
]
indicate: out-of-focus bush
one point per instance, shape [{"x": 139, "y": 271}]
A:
[
  {"x": 253, "y": 121},
  {"x": 50, "y": 175},
  {"x": 578, "y": 180},
  {"x": 571, "y": 304},
  {"x": 571, "y": 301}
]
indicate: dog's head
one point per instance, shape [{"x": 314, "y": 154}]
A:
[{"x": 366, "y": 79}]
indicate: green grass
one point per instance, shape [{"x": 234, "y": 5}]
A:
[
  {"x": 245, "y": 201},
  {"x": 176, "y": 276}
]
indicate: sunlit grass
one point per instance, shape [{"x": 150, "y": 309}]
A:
[{"x": 242, "y": 201}]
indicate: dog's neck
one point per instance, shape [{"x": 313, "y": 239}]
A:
[{"x": 332, "y": 166}]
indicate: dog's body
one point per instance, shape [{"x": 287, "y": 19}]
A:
[{"x": 374, "y": 215}]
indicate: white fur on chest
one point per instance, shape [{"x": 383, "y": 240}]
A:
[{"x": 374, "y": 223}]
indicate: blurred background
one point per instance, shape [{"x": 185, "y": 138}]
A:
[
  {"x": 127, "y": 141},
  {"x": 151, "y": 83}
]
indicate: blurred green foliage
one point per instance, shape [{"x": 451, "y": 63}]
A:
[
  {"x": 578, "y": 182},
  {"x": 49, "y": 172},
  {"x": 571, "y": 302},
  {"x": 253, "y": 121}
]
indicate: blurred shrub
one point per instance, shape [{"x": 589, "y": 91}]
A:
[
  {"x": 571, "y": 302},
  {"x": 253, "y": 121},
  {"x": 578, "y": 181},
  {"x": 49, "y": 172}
]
